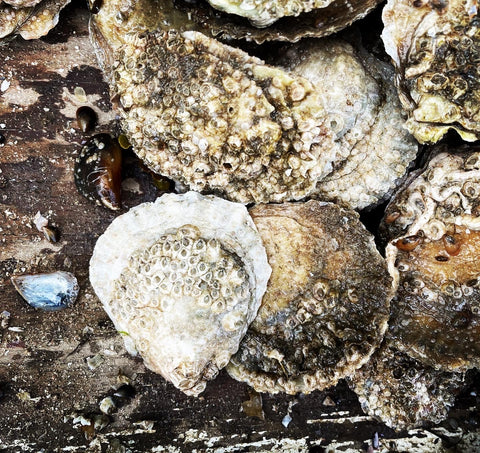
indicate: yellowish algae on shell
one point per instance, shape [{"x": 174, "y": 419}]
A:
[
  {"x": 181, "y": 279},
  {"x": 327, "y": 302},
  {"x": 435, "y": 48}
]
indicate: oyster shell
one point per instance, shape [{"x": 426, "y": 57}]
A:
[
  {"x": 435, "y": 261},
  {"x": 327, "y": 303},
  {"x": 215, "y": 119},
  {"x": 181, "y": 279},
  {"x": 365, "y": 115},
  {"x": 402, "y": 392},
  {"x": 30, "y": 20},
  {"x": 200, "y": 16},
  {"x": 434, "y": 46}
]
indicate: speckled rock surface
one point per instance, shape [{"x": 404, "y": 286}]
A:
[
  {"x": 327, "y": 302},
  {"x": 434, "y": 46},
  {"x": 182, "y": 278},
  {"x": 434, "y": 260}
]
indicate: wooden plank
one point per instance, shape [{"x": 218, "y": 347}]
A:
[{"x": 56, "y": 367}]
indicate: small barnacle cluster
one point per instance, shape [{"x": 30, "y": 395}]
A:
[
  {"x": 30, "y": 19},
  {"x": 436, "y": 49}
]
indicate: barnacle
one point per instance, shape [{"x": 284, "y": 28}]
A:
[
  {"x": 181, "y": 279},
  {"x": 29, "y": 19},
  {"x": 327, "y": 303},
  {"x": 435, "y": 48},
  {"x": 434, "y": 230},
  {"x": 365, "y": 115},
  {"x": 402, "y": 392}
]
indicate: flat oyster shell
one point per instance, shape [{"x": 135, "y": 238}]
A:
[
  {"x": 435, "y": 262},
  {"x": 199, "y": 15},
  {"x": 265, "y": 12},
  {"x": 30, "y": 22},
  {"x": 366, "y": 116},
  {"x": 181, "y": 279},
  {"x": 435, "y": 47},
  {"x": 402, "y": 392},
  {"x": 215, "y": 119},
  {"x": 327, "y": 302}
]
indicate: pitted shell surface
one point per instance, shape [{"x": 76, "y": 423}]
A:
[
  {"x": 435, "y": 48},
  {"x": 181, "y": 279},
  {"x": 327, "y": 302}
]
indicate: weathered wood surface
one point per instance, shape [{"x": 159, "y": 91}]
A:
[{"x": 49, "y": 384}]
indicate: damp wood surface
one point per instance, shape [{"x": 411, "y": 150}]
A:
[{"x": 57, "y": 367}]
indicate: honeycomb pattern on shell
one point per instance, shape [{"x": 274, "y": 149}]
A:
[
  {"x": 436, "y": 47},
  {"x": 402, "y": 392},
  {"x": 327, "y": 302},
  {"x": 434, "y": 230},
  {"x": 181, "y": 279},
  {"x": 215, "y": 119}
]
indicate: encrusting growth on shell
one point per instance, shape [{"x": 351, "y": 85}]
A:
[
  {"x": 402, "y": 392},
  {"x": 181, "y": 279},
  {"x": 433, "y": 255},
  {"x": 435, "y": 48},
  {"x": 327, "y": 302}
]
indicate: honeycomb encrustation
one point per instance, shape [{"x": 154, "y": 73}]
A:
[
  {"x": 262, "y": 13},
  {"x": 181, "y": 279},
  {"x": 217, "y": 120},
  {"x": 30, "y": 20},
  {"x": 402, "y": 392},
  {"x": 364, "y": 113},
  {"x": 435, "y": 48},
  {"x": 435, "y": 262},
  {"x": 327, "y": 302}
]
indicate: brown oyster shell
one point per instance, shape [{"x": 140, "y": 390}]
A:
[
  {"x": 199, "y": 15},
  {"x": 365, "y": 115},
  {"x": 435, "y": 261},
  {"x": 402, "y": 392},
  {"x": 327, "y": 302},
  {"x": 435, "y": 48},
  {"x": 30, "y": 20},
  {"x": 181, "y": 278}
]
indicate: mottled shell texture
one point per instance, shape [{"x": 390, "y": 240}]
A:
[
  {"x": 435, "y": 47},
  {"x": 327, "y": 302},
  {"x": 217, "y": 120},
  {"x": 181, "y": 279},
  {"x": 436, "y": 310},
  {"x": 402, "y": 392}
]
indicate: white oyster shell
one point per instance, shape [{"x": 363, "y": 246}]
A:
[{"x": 182, "y": 278}]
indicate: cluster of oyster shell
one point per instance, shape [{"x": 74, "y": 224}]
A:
[{"x": 291, "y": 297}]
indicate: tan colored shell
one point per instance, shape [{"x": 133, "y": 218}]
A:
[
  {"x": 218, "y": 120},
  {"x": 365, "y": 115},
  {"x": 30, "y": 22},
  {"x": 435, "y": 47},
  {"x": 181, "y": 279},
  {"x": 435, "y": 261},
  {"x": 327, "y": 301},
  {"x": 20, "y": 3},
  {"x": 402, "y": 392},
  {"x": 265, "y": 12}
]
